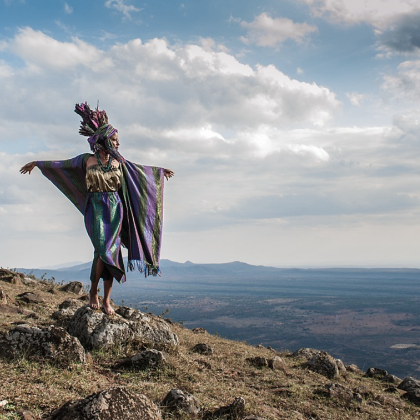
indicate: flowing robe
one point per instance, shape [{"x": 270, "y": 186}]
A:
[{"x": 141, "y": 196}]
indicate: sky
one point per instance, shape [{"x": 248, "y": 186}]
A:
[{"x": 292, "y": 126}]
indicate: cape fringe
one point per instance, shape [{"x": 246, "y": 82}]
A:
[{"x": 144, "y": 267}]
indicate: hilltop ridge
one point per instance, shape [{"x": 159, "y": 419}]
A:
[{"x": 272, "y": 385}]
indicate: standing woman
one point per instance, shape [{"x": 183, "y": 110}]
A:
[{"x": 122, "y": 203}]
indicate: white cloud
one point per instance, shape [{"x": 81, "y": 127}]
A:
[
  {"x": 42, "y": 51},
  {"x": 374, "y": 12},
  {"x": 272, "y": 32},
  {"x": 355, "y": 98},
  {"x": 299, "y": 71},
  {"x": 122, "y": 7},
  {"x": 406, "y": 82},
  {"x": 68, "y": 9}
]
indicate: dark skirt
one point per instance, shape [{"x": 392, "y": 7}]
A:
[{"x": 103, "y": 221}]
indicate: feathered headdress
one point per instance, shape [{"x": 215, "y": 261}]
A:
[{"x": 95, "y": 125}]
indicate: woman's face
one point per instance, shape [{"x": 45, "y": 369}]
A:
[{"x": 115, "y": 141}]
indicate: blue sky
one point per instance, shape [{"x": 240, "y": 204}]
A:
[{"x": 291, "y": 125}]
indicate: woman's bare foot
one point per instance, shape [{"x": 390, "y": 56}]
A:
[
  {"x": 107, "y": 308},
  {"x": 93, "y": 300}
]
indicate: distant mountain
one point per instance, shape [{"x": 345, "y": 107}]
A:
[{"x": 235, "y": 272}]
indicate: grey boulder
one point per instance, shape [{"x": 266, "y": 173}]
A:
[
  {"x": 116, "y": 403},
  {"x": 52, "y": 343}
]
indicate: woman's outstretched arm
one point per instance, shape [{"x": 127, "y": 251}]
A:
[{"x": 28, "y": 167}]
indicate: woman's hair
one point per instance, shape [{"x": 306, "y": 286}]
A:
[{"x": 95, "y": 125}]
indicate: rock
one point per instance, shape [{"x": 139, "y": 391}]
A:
[
  {"x": 277, "y": 363},
  {"x": 233, "y": 411},
  {"x": 199, "y": 330},
  {"x": 149, "y": 329},
  {"x": 30, "y": 297},
  {"x": 27, "y": 281},
  {"x": 376, "y": 373},
  {"x": 95, "y": 329},
  {"x": 341, "y": 368},
  {"x": 202, "y": 348},
  {"x": 258, "y": 361},
  {"x": 412, "y": 388},
  {"x": 305, "y": 353},
  {"x": 324, "y": 364},
  {"x": 259, "y": 346},
  {"x": 409, "y": 384},
  {"x": 353, "y": 369},
  {"x": 66, "y": 310},
  {"x": 11, "y": 276},
  {"x": 4, "y": 403},
  {"x": 116, "y": 403},
  {"x": 52, "y": 343},
  {"x": 179, "y": 401},
  {"x": 392, "y": 379},
  {"x": 145, "y": 359},
  {"x": 75, "y": 287},
  {"x": 345, "y": 395}
]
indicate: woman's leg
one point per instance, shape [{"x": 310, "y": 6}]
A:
[
  {"x": 93, "y": 294},
  {"x": 106, "y": 304}
]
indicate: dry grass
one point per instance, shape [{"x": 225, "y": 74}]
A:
[{"x": 215, "y": 380}]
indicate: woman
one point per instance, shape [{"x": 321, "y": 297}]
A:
[{"x": 121, "y": 203}]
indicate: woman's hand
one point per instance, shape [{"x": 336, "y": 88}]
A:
[
  {"x": 28, "y": 168},
  {"x": 168, "y": 173}
]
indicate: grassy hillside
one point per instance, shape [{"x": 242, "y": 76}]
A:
[{"x": 290, "y": 393}]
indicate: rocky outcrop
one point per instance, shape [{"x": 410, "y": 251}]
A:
[
  {"x": 95, "y": 329},
  {"x": 9, "y": 276},
  {"x": 52, "y": 343},
  {"x": 233, "y": 411},
  {"x": 202, "y": 348},
  {"x": 412, "y": 388},
  {"x": 199, "y": 330},
  {"x": 178, "y": 401},
  {"x": 277, "y": 363},
  {"x": 305, "y": 353},
  {"x": 116, "y": 403},
  {"x": 66, "y": 310},
  {"x": 145, "y": 359},
  {"x": 75, "y": 287},
  {"x": 341, "y": 393},
  {"x": 324, "y": 364},
  {"x": 30, "y": 297},
  {"x": 382, "y": 375}
]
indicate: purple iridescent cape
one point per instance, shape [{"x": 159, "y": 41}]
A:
[{"x": 142, "y": 197}]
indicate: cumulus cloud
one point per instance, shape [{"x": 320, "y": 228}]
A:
[
  {"x": 39, "y": 50},
  {"x": 405, "y": 83},
  {"x": 374, "y": 12},
  {"x": 272, "y": 32},
  {"x": 122, "y": 7},
  {"x": 395, "y": 22},
  {"x": 402, "y": 36},
  {"x": 167, "y": 87}
]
